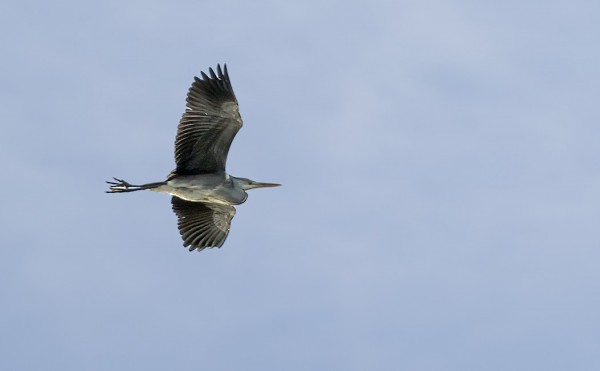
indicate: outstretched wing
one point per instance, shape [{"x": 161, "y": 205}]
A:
[
  {"x": 202, "y": 224},
  {"x": 208, "y": 126}
]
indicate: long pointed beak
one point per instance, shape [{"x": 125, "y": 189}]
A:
[{"x": 263, "y": 185}]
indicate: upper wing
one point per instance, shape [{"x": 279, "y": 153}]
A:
[
  {"x": 202, "y": 224},
  {"x": 208, "y": 126}
]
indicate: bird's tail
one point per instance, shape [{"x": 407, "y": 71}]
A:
[{"x": 120, "y": 186}]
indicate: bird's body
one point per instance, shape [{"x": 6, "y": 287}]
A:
[
  {"x": 218, "y": 188},
  {"x": 203, "y": 193}
]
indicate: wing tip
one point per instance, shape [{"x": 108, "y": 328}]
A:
[{"x": 221, "y": 74}]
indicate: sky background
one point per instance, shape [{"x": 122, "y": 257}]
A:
[{"x": 440, "y": 200}]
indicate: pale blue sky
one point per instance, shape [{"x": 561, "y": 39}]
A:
[{"x": 441, "y": 195}]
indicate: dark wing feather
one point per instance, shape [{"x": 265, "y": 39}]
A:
[
  {"x": 208, "y": 126},
  {"x": 202, "y": 224}
]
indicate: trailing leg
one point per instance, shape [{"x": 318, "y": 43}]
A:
[{"x": 120, "y": 186}]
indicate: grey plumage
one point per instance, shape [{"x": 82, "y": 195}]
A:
[
  {"x": 202, "y": 223},
  {"x": 208, "y": 126},
  {"x": 203, "y": 193}
]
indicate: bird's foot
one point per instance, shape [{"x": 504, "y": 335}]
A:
[{"x": 120, "y": 186}]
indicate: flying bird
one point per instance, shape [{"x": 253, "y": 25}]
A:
[{"x": 203, "y": 194}]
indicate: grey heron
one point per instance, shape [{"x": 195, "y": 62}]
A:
[{"x": 203, "y": 194}]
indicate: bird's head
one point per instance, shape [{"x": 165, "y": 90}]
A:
[{"x": 247, "y": 184}]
